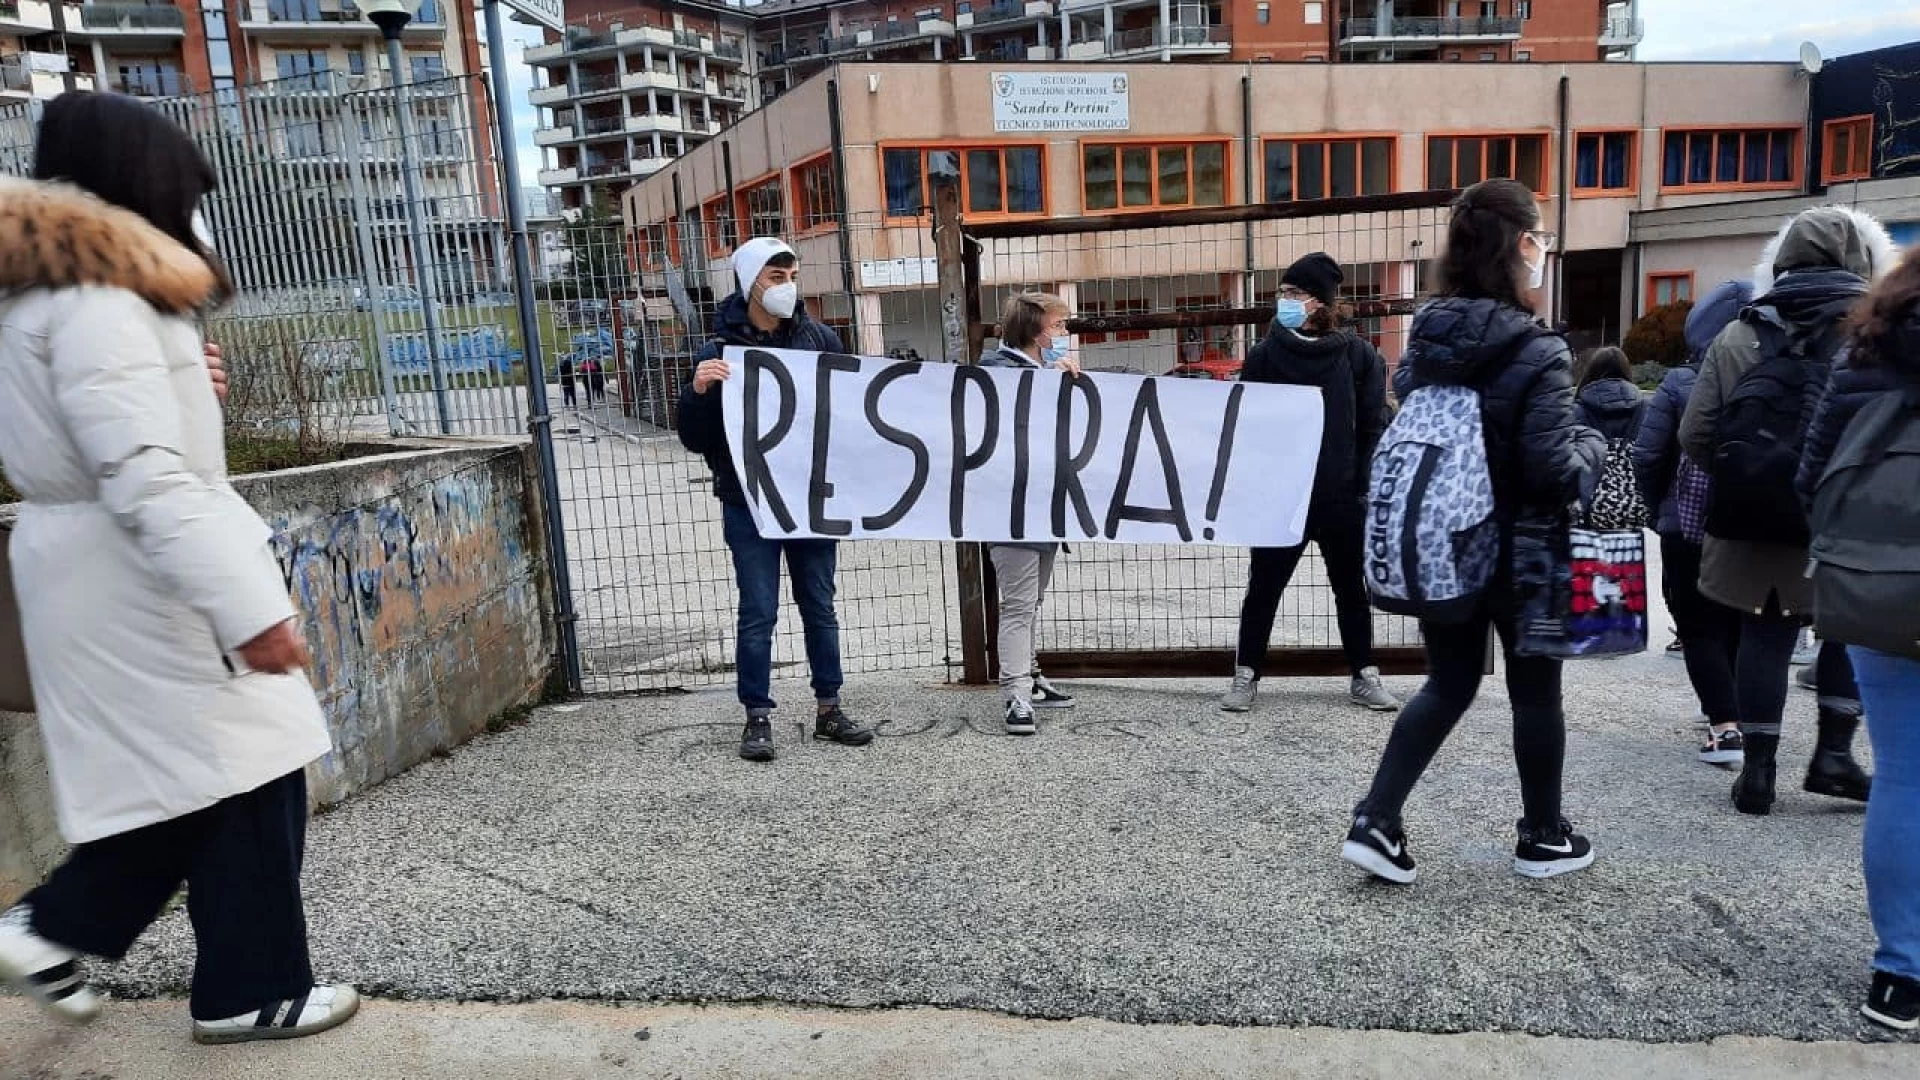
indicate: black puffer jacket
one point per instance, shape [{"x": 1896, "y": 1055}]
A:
[
  {"x": 1540, "y": 461},
  {"x": 1352, "y": 380},
  {"x": 701, "y": 430},
  {"x": 1613, "y": 407},
  {"x": 1849, "y": 390}
]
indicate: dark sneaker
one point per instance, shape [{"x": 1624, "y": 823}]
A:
[
  {"x": 1020, "y": 719},
  {"x": 1893, "y": 1002},
  {"x": 1676, "y": 648},
  {"x": 836, "y": 726},
  {"x": 1727, "y": 749},
  {"x": 1380, "y": 849},
  {"x": 1545, "y": 853},
  {"x": 756, "y": 743},
  {"x": 1048, "y": 696},
  {"x": 1808, "y": 677}
]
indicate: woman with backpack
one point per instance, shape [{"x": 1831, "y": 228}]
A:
[
  {"x": 1605, "y": 398},
  {"x": 1478, "y": 360},
  {"x": 1874, "y": 500},
  {"x": 1678, "y": 490},
  {"x": 1745, "y": 425},
  {"x": 1308, "y": 347}
]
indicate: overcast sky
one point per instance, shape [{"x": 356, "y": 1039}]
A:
[{"x": 1676, "y": 30}]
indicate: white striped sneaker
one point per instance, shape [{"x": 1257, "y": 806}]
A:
[
  {"x": 319, "y": 1009},
  {"x": 42, "y": 970}
]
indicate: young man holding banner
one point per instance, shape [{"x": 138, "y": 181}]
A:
[{"x": 767, "y": 313}]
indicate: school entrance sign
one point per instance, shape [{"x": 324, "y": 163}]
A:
[{"x": 1060, "y": 101}]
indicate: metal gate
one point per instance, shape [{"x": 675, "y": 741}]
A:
[{"x": 1186, "y": 293}]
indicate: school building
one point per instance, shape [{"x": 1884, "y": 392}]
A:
[{"x": 1639, "y": 168}]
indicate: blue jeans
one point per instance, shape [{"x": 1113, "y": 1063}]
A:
[
  {"x": 756, "y": 569},
  {"x": 1890, "y": 688}
]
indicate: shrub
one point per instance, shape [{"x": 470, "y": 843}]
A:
[{"x": 1660, "y": 336}]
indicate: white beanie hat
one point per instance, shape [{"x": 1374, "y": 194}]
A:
[{"x": 752, "y": 257}]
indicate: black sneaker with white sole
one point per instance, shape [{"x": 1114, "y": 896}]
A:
[
  {"x": 1020, "y": 720},
  {"x": 1893, "y": 1002},
  {"x": 1550, "y": 852},
  {"x": 1048, "y": 696},
  {"x": 1379, "y": 848}
]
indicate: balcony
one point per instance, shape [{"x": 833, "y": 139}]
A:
[
  {"x": 1391, "y": 30},
  {"x": 25, "y": 17},
  {"x": 890, "y": 36},
  {"x": 331, "y": 20},
  {"x": 1621, "y": 34},
  {"x": 151, "y": 84},
  {"x": 1177, "y": 40},
  {"x": 553, "y": 136},
  {"x": 579, "y": 42},
  {"x": 130, "y": 24},
  {"x": 650, "y": 80},
  {"x": 649, "y": 123},
  {"x": 557, "y": 94},
  {"x": 557, "y": 177},
  {"x": 600, "y": 126},
  {"x": 1009, "y": 12}
]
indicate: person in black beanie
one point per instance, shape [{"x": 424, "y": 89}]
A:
[{"x": 1308, "y": 347}]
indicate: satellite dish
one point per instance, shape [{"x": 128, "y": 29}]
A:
[{"x": 1810, "y": 61}]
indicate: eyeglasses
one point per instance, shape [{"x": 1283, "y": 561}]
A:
[{"x": 1546, "y": 240}]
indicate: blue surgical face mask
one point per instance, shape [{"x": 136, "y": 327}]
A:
[
  {"x": 1053, "y": 352},
  {"x": 1290, "y": 313}
]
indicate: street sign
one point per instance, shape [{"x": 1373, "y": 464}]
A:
[{"x": 547, "y": 13}]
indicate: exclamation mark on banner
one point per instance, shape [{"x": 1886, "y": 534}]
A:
[{"x": 1223, "y": 456}]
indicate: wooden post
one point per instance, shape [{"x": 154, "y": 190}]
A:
[{"x": 949, "y": 248}]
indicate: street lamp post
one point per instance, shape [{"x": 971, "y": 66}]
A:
[{"x": 392, "y": 16}]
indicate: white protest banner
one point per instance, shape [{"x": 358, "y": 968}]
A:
[{"x": 828, "y": 445}]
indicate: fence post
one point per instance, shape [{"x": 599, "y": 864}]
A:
[
  {"x": 950, "y": 253},
  {"x": 397, "y": 421}
]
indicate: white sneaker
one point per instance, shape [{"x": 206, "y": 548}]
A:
[
  {"x": 1239, "y": 696},
  {"x": 42, "y": 970},
  {"x": 1367, "y": 689},
  {"x": 1805, "y": 649},
  {"x": 322, "y": 1008}
]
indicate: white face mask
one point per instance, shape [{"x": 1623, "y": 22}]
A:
[
  {"x": 201, "y": 231},
  {"x": 1537, "y": 271},
  {"x": 780, "y": 300}
]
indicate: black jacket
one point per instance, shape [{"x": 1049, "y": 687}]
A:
[
  {"x": 1352, "y": 381},
  {"x": 701, "y": 429},
  {"x": 1849, "y": 390},
  {"x": 1656, "y": 447},
  {"x": 1613, "y": 407},
  {"x": 1540, "y": 460}
]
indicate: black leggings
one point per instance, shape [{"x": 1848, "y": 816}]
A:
[
  {"x": 240, "y": 859},
  {"x": 1339, "y": 531},
  {"x": 1456, "y": 660},
  {"x": 1765, "y": 659},
  {"x": 1710, "y": 631}
]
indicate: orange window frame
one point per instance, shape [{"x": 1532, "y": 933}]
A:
[
  {"x": 1676, "y": 280},
  {"x": 813, "y": 179},
  {"x": 712, "y": 221},
  {"x": 652, "y": 248},
  {"x": 1157, "y": 145},
  {"x": 1486, "y": 140},
  {"x": 962, "y": 150},
  {"x": 1633, "y": 163},
  {"x": 1859, "y": 161},
  {"x": 743, "y": 205},
  {"x": 1794, "y": 153},
  {"x": 1391, "y": 138}
]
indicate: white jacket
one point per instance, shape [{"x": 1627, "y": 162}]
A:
[{"x": 138, "y": 568}]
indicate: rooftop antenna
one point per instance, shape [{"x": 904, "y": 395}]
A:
[{"x": 1810, "y": 60}]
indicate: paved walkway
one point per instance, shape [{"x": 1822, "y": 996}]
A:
[
  {"x": 1145, "y": 859},
  {"x": 569, "y": 1040}
]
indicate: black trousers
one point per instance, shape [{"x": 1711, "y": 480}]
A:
[
  {"x": 1709, "y": 629},
  {"x": 240, "y": 859},
  {"x": 1767, "y": 641},
  {"x": 1339, "y": 530},
  {"x": 1456, "y": 662}
]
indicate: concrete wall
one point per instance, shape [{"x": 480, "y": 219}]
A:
[{"x": 423, "y": 579}]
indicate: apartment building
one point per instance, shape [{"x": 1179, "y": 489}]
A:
[
  {"x": 1636, "y": 138},
  {"x": 160, "y": 49},
  {"x": 633, "y": 84}
]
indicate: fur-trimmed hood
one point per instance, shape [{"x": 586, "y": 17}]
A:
[
  {"x": 55, "y": 236},
  {"x": 1829, "y": 237}
]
